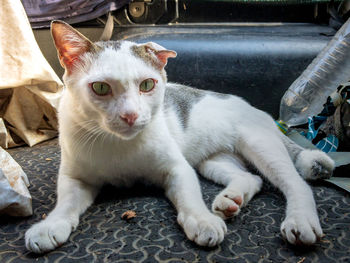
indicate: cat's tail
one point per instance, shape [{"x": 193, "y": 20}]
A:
[{"x": 311, "y": 164}]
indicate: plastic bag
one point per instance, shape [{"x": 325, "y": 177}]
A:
[{"x": 15, "y": 199}]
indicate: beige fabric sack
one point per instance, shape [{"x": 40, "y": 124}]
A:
[{"x": 29, "y": 88}]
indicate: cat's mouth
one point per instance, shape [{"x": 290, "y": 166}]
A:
[
  {"x": 126, "y": 133},
  {"x": 122, "y": 130}
]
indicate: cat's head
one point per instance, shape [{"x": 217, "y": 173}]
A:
[{"x": 120, "y": 84}]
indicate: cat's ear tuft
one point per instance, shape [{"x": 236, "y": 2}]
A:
[
  {"x": 160, "y": 52},
  {"x": 70, "y": 44}
]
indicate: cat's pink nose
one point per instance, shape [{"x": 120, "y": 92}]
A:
[{"x": 129, "y": 118}]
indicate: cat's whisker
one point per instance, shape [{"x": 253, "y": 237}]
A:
[
  {"x": 99, "y": 133},
  {"x": 84, "y": 126},
  {"x": 82, "y": 141},
  {"x": 90, "y": 135},
  {"x": 106, "y": 134}
]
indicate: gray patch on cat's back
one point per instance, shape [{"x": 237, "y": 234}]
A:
[
  {"x": 182, "y": 99},
  {"x": 219, "y": 95}
]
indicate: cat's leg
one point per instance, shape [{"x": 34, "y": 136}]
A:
[
  {"x": 73, "y": 197},
  {"x": 311, "y": 164},
  {"x": 183, "y": 189},
  {"x": 270, "y": 157},
  {"x": 241, "y": 185}
]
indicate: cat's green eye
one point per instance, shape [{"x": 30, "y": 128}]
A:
[
  {"x": 147, "y": 85},
  {"x": 101, "y": 88}
]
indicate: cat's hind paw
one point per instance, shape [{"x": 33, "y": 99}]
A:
[
  {"x": 46, "y": 236},
  {"x": 227, "y": 204},
  {"x": 205, "y": 229},
  {"x": 301, "y": 229},
  {"x": 314, "y": 164}
]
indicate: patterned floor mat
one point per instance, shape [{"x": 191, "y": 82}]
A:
[{"x": 154, "y": 236}]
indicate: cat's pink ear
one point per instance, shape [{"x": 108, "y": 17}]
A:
[
  {"x": 70, "y": 44},
  {"x": 160, "y": 52}
]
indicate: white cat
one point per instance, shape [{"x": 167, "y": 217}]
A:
[{"x": 121, "y": 121}]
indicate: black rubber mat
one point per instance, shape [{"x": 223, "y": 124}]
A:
[{"x": 154, "y": 236}]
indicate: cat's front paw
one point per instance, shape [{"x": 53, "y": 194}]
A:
[
  {"x": 47, "y": 235},
  {"x": 302, "y": 229},
  {"x": 205, "y": 229}
]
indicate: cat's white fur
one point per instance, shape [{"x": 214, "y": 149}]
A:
[{"x": 222, "y": 134}]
